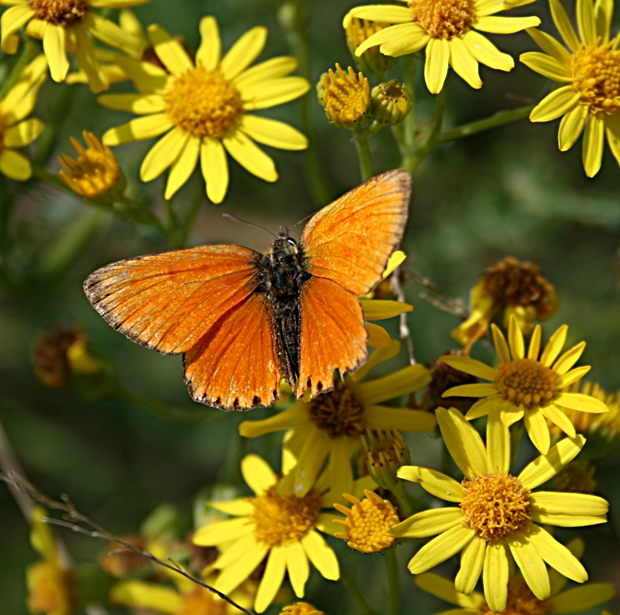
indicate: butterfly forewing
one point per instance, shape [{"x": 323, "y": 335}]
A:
[
  {"x": 169, "y": 301},
  {"x": 333, "y": 335},
  {"x": 235, "y": 365},
  {"x": 350, "y": 240}
]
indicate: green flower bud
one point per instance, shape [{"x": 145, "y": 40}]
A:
[
  {"x": 390, "y": 102},
  {"x": 372, "y": 60},
  {"x": 344, "y": 96}
]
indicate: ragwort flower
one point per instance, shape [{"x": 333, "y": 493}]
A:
[
  {"x": 203, "y": 109},
  {"x": 64, "y": 27},
  {"x": 589, "y": 74},
  {"x": 333, "y": 423},
  {"x": 498, "y": 515},
  {"x": 447, "y": 28},
  {"x": 282, "y": 529},
  {"x": 528, "y": 387},
  {"x": 15, "y": 130}
]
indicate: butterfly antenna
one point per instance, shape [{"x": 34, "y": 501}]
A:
[
  {"x": 298, "y": 223},
  {"x": 235, "y": 219}
]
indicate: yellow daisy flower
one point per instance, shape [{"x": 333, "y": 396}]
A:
[
  {"x": 15, "y": 131},
  {"x": 448, "y": 30},
  {"x": 589, "y": 74},
  {"x": 301, "y": 608},
  {"x": 282, "y": 529},
  {"x": 531, "y": 387},
  {"x": 498, "y": 517},
  {"x": 203, "y": 109},
  {"x": 64, "y": 27},
  {"x": 520, "y": 596},
  {"x": 333, "y": 423}
]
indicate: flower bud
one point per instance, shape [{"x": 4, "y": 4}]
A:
[
  {"x": 372, "y": 60},
  {"x": 390, "y": 102},
  {"x": 344, "y": 96}
]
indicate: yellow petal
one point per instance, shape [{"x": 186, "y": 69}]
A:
[
  {"x": 440, "y": 549},
  {"x": 244, "y": 52},
  {"x": 382, "y": 309},
  {"x": 549, "y": 45},
  {"x": 272, "y": 133},
  {"x": 400, "y": 419},
  {"x": 571, "y": 127},
  {"x": 486, "y": 52},
  {"x": 258, "y": 474},
  {"x": 498, "y": 444},
  {"x": 537, "y": 430},
  {"x": 568, "y": 359},
  {"x": 580, "y": 402},
  {"x": 138, "y": 594},
  {"x": 564, "y": 25},
  {"x": 546, "y": 65},
  {"x": 558, "y": 503},
  {"x": 169, "y": 51},
  {"x": 531, "y": 564},
  {"x": 554, "y": 105},
  {"x": 222, "y": 532},
  {"x": 593, "y": 141},
  {"x": 266, "y": 71},
  {"x": 297, "y": 566},
  {"x": 603, "y": 15},
  {"x": 163, "y": 154},
  {"x": 436, "y": 64},
  {"x": 142, "y": 104},
  {"x": 501, "y": 347},
  {"x": 402, "y": 382},
  {"x": 506, "y": 25},
  {"x": 378, "y": 337},
  {"x": 471, "y": 390},
  {"x": 585, "y": 21},
  {"x": 376, "y": 358},
  {"x": 273, "y": 92},
  {"x": 483, "y": 406},
  {"x": 339, "y": 470},
  {"x": 581, "y": 599},
  {"x": 612, "y": 130},
  {"x": 470, "y": 366},
  {"x": 15, "y": 166},
  {"x": 428, "y": 523},
  {"x": 381, "y": 13},
  {"x": 20, "y": 135},
  {"x": 554, "y": 346},
  {"x": 321, "y": 555},
  {"x": 230, "y": 554},
  {"x": 250, "y": 156},
  {"x": 54, "y": 46},
  {"x": 311, "y": 458},
  {"x": 404, "y": 39},
  {"x": 464, "y": 63},
  {"x": 214, "y": 167},
  {"x": 208, "y": 54},
  {"x": 183, "y": 166},
  {"x": 545, "y": 467},
  {"x": 272, "y": 579},
  {"x": 434, "y": 482},
  {"x": 534, "y": 347},
  {"x": 237, "y": 508},
  {"x": 495, "y": 576},
  {"x": 515, "y": 339},
  {"x": 282, "y": 420},
  {"x": 12, "y": 20},
  {"x": 559, "y": 418},
  {"x": 445, "y": 590},
  {"x": 472, "y": 562},
  {"x": 572, "y": 376},
  {"x": 231, "y": 577},
  {"x": 111, "y": 34},
  {"x": 84, "y": 52},
  {"x": 138, "y": 129}
]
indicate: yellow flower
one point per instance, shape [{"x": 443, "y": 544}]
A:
[
  {"x": 498, "y": 517},
  {"x": 510, "y": 287},
  {"x": 96, "y": 170},
  {"x": 344, "y": 96},
  {"x": 14, "y": 107},
  {"x": 367, "y": 523},
  {"x": 372, "y": 60},
  {"x": 301, "y": 608},
  {"x": 589, "y": 72},
  {"x": 50, "y": 584},
  {"x": 333, "y": 423},
  {"x": 268, "y": 525},
  {"x": 447, "y": 28},
  {"x": 521, "y": 600},
  {"x": 64, "y": 27},
  {"x": 203, "y": 109},
  {"x": 527, "y": 387}
]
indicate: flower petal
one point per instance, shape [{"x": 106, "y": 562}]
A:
[
  {"x": 12, "y": 20},
  {"x": 141, "y": 595},
  {"x": 20, "y": 135},
  {"x": 399, "y": 419},
  {"x": 545, "y": 467},
  {"x": 339, "y": 470},
  {"x": 404, "y": 39},
  {"x": 436, "y": 64},
  {"x": 537, "y": 429},
  {"x": 142, "y": 104},
  {"x": 376, "y": 358},
  {"x": 235, "y": 574},
  {"x": 54, "y": 46},
  {"x": 559, "y": 503},
  {"x": 559, "y": 418},
  {"x": 593, "y": 141},
  {"x": 321, "y": 555},
  {"x": 273, "y": 92},
  {"x": 208, "y": 54},
  {"x": 563, "y": 24},
  {"x": 237, "y": 550},
  {"x": 434, "y": 482},
  {"x": 575, "y": 374},
  {"x": 554, "y": 105},
  {"x": 378, "y": 337},
  {"x": 163, "y": 154},
  {"x": 237, "y": 508},
  {"x": 275, "y": 68},
  {"x": 515, "y": 339},
  {"x": 501, "y": 347},
  {"x": 273, "y": 133},
  {"x": 272, "y": 579},
  {"x": 581, "y": 599},
  {"x": 15, "y": 166},
  {"x": 250, "y": 156},
  {"x": 531, "y": 564},
  {"x": 498, "y": 444},
  {"x": 484, "y": 406},
  {"x": 534, "y": 347},
  {"x": 297, "y": 566},
  {"x": 603, "y": 15},
  {"x": 244, "y": 52},
  {"x": 463, "y": 442},
  {"x": 571, "y": 127},
  {"x": 554, "y": 346},
  {"x": 381, "y": 13},
  {"x": 428, "y": 523},
  {"x": 257, "y": 474},
  {"x": 311, "y": 458},
  {"x": 382, "y": 309},
  {"x": 612, "y": 130},
  {"x": 495, "y": 576},
  {"x": 585, "y": 21},
  {"x": 486, "y": 52},
  {"x": 580, "y": 402},
  {"x": 183, "y": 166},
  {"x": 464, "y": 63},
  {"x": 85, "y": 54},
  {"x": 471, "y": 390},
  {"x": 506, "y": 25},
  {"x": 169, "y": 51},
  {"x": 445, "y": 590},
  {"x": 282, "y": 420},
  {"x": 214, "y": 167},
  {"x": 470, "y": 366},
  {"x": 402, "y": 382},
  {"x": 440, "y": 549},
  {"x": 547, "y": 65},
  {"x": 138, "y": 129},
  {"x": 549, "y": 45},
  {"x": 472, "y": 562},
  {"x": 222, "y": 532}
]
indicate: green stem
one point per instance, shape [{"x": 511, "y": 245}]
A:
[
  {"x": 392, "y": 570},
  {"x": 363, "y": 154},
  {"x": 411, "y": 162},
  {"x": 409, "y": 133},
  {"x": 498, "y": 119},
  {"x": 60, "y": 114},
  {"x": 29, "y": 53},
  {"x": 188, "y": 224},
  {"x": 355, "y": 593},
  {"x": 404, "y": 504},
  {"x": 147, "y": 215}
]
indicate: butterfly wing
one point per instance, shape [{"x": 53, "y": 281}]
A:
[
  {"x": 169, "y": 301},
  {"x": 351, "y": 239},
  {"x": 235, "y": 365},
  {"x": 346, "y": 246}
]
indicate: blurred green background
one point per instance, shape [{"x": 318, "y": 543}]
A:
[{"x": 508, "y": 191}]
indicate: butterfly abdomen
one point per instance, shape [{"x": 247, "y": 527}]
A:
[{"x": 282, "y": 273}]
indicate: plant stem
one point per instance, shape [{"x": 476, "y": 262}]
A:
[
  {"x": 363, "y": 154},
  {"x": 60, "y": 113},
  {"x": 355, "y": 593},
  {"x": 392, "y": 570},
  {"x": 30, "y": 51},
  {"x": 404, "y": 504},
  {"x": 409, "y": 68},
  {"x": 194, "y": 208},
  {"x": 498, "y": 119}
]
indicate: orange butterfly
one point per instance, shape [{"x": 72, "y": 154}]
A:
[{"x": 243, "y": 320}]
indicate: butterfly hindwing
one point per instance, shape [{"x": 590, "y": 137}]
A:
[
  {"x": 169, "y": 301},
  {"x": 235, "y": 366},
  {"x": 350, "y": 240},
  {"x": 333, "y": 335}
]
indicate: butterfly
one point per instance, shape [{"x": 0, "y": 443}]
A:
[{"x": 243, "y": 320}]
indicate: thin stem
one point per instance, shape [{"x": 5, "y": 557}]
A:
[
  {"x": 30, "y": 51},
  {"x": 498, "y": 119},
  {"x": 188, "y": 224},
  {"x": 355, "y": 593},
  {"x": 363, "y": 154},
  {"x": 404, "y": 504},
  {"x": 410, "y": 120},
  {"x": 392, "y": 570}
]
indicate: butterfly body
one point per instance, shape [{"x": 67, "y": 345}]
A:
[{"x": 243, "y": 320}]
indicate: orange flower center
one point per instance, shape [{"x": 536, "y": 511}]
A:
[
  {"x": 280, "y": 519},
  {"x": 201, "y": 602},
  {"x": 521, "y": 601},
  {"x": 495, "y": 505},
  {"x": 204, "y": 103},
  {"x": 526, "y": 382},
  {"x": 338, "y": 412},
  {"x": 596, "y": 76},
  {"x": 444, "y": 18},
  {"x": 63, "y": 13}
]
